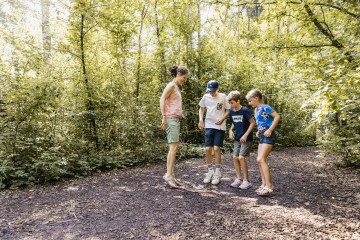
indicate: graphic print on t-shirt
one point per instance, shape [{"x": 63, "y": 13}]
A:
[
  {"x": 238, "y": 118},
  {"x": 265, "y": 116},
  {"x": 219, "y": 106}
]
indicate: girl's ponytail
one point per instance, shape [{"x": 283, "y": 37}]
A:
[
  {"x": 173, "y": 70},
  {"x": 265, "y": 99}
]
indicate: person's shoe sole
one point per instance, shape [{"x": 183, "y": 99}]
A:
[{"x": 250, "y": 186}]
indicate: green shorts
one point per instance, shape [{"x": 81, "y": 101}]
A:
[
  {"x": 242, "y": 149},
  {"x": 173, "y": 130}
]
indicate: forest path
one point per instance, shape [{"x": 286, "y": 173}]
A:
[{"x": 313, "y": 200}]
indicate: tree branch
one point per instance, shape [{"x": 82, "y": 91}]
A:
[
  {"x": 244, "y": 3},
  {"x": 324, "y": 31},
  {"x": 300, "y": 46},
  {"x": 338, "y": 8},
  {"x": 330, "y": 6},
  {"x": 324, "y": 22}
]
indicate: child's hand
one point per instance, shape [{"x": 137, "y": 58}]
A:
[
  {"x": 231, "y": 135},
  {"x": 257, "y": 134},
  {"x": 267, "y": 133},
  {"x": 219, "y": 122},
  {"x": 201, "y": 125},
  {"x": 163, "y": 124},
  {"x": 243, "y": 139}
]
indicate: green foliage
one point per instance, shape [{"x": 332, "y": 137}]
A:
[
  {"x": 338, "y": 111},
  {"x": 95, "y": 105}
]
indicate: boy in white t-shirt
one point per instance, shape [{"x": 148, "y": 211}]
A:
[{"x": 217, "y": 110}]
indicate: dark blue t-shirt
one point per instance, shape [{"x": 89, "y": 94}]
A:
[{"x": 241, "y": 122}]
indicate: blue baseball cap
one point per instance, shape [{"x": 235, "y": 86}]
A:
[{"x": 212, "y": 86}]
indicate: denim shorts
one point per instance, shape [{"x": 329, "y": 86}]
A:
[
  {"x": 242, "y": 149},
  {"x": 173, "y": 130},
  {"x": 268, "y": 140},
  {"x": 214, "y": 137}
]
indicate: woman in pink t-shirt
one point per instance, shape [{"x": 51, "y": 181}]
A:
[{"x": 171, "y": 110}]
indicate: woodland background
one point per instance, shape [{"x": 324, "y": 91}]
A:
[{"x": 80, "y": 80}]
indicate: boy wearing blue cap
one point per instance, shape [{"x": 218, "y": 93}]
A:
[{"x": 217, "y": 110}]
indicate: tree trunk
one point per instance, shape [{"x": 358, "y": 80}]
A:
[
  {"x": 91, "y": 133},
  {"x": 199, "y": 62},
  {"x": 161, "y": 46},
  {"x": 248, "y": 30},
  {"x": 138, "y": 72},
  {"x": 45, "y": 22}
]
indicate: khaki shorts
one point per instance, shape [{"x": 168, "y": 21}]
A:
[
  {"x": 242, "y": 149},
  {"x": 173, "y": 130}
]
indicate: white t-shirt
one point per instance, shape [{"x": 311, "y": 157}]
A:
[{"x": 215, "y": 109}]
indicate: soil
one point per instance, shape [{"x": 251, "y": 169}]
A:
[{"x": 313, "y": 200}]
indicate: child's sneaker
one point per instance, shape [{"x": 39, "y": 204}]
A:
[
  {"x": 265, "y": 191},
  {"x": 259, "y": 189},
  {"x": 236, "y": 183},
  {"x": 208, "y": 176},
  {"x": 216, "y": 178},
  {"x": 245, "y": 185}
]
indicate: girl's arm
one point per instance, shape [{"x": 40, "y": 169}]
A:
[{"x": 276, "y": 117}]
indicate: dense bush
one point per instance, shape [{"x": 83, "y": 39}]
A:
[{"x": 88, "y": 100}]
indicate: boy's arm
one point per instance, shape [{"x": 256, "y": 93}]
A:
[
  {"x": 226, "y": 114},
  {"x": 201, "y": 118},
  {"x": 231, "y": 132},
  {"x": 276, "y": 117},
  {"x": 248, "y": 132}
]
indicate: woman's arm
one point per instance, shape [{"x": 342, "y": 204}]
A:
[{"x": 166, "y": 93}]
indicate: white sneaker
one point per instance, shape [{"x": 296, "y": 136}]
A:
[
  {"x": 236, "y": 183},
  {"x": 208, "y": 176},
  {"x": 216, "y": 178},
  {"x": 245, "y": 185}
]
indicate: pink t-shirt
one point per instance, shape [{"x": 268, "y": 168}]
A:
[{"x": 173, "y": 104}]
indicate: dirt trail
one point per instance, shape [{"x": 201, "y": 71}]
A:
[{"x": 313, "y": 200}]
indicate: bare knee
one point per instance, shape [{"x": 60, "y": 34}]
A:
[
  {"x": 241, "y": 158},
  {"x": 173, "y": 147},
  {"x": 209, "y": 150},
  {"x": 216, "y": 149},
  {"x": 235, "y": 158}
]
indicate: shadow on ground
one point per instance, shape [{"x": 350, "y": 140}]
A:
[{"x": 313, "y": 200}]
